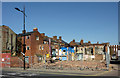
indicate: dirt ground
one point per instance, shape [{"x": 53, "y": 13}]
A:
[{"x": 73, "y": 65}]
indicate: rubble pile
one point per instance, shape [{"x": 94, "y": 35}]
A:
[{"x": 73, "y": 65}]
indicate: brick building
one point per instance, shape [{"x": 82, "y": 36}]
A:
[
  {"x": 54, "y": 46},
  {"x": 7, "y": 40},
  {"x": 114, "y": 52},
  {"x": 33, "y": 40},
  {"x": 7, "y": 46},
  {"x": 88, "y": 51},
  {"x": 37, "y": 46}
]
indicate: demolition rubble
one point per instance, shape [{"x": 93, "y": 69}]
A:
[{"x": 73, "y": 65}]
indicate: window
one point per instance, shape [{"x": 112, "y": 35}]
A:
[
  {"x": 64, "y": 50},
  {"x": 37, "y": 38},
  {"x": 44, "y": 42},
  {"x": 28, "y": 48},
  {"x": 27, "y": 37},
  {"x": 85, "y": 51},
  {"x": 42, "y": 47},
  {"x": 55, "y": 43},
  {"x": 8, "y": 48},
  {"x": 92, "y": 51},
  {"x": 81, "y": 49}
]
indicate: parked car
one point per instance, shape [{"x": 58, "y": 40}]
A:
[{"x": 114, "y": 57}]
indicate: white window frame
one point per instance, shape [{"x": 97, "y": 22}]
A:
[
  {"x": 27, "y": 37},
  {"x": 39, "y": 47},
  {"x": 37, "y": 37},
  {"x": 44, "y": 42},
  {"x": 27, "y": 48},
  {"x": 42, "y": 47}
]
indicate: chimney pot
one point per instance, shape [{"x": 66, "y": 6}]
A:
[
  {"x": 35, "y": 29},
  {"x": 97, "y": 42},
  {"x": 60, "y": 38},
  {"x": 89, "y": 42},
  {"x": 81, "y": 42},
  {"x": 55, "y": 37},
  {"x": 24, "y": 31},
  {"x": 43, "y": 34}
]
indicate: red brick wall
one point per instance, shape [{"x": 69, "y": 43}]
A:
[
  {"x": 72, "y": 43},
  {"x": 5, "y": 59},
  {"x": 33, "y": 45},
  {"x": 98, "y": 57},
  {"x": 45, "y": 49},
  {"x": 17, "y": 62}
]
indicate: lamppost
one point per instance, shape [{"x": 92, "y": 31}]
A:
[{"x": 24, "y": 49}]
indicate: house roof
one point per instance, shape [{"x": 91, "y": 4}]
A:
[
  {"x": 26, "y": 34},
  {"x": 78, "y": 43},
  {"x": 88, "y": 44},
  {"x": 64, "y": 42},
  {"x": 47, "y": 39},
  {"x": 52, "y": 40}
]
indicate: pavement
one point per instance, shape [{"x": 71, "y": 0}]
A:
[{"x": 21, "y": 73}]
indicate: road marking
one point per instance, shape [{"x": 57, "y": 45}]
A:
[
  {"x": 2, "y": 76},
  {"x": 11, "y": 73}
]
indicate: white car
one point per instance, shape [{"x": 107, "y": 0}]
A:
[{"x": 114, "y": 57}]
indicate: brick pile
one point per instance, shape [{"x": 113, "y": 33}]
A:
[
  {"x": 16, "y": 62},
  {"x": 73, "y": 65}
]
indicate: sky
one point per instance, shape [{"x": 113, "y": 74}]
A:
[{"x": 90, "y": 21}]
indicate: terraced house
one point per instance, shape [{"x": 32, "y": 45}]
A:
[
  {"x": 89, "y": 51},
  {"x": 32, "y": 40},
  {"x": 53, "y": 45},
  {"x": 38, "y": 46},
  {"x": 41, "y": 48}
]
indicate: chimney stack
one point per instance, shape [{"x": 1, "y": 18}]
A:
[
  {"x": 43, "y": 34},
  {"x": 81, "y": 42},
  {"x": 55, "y": 37},
  {"x": 24, "y": 31},
  {"x": 60, "y": 38},
  {"x": 97, "y": 42},
  {"x": 73, "y": 40},
  {"x": 35, "y": 29},
  {"x": 89, "y": 42}
]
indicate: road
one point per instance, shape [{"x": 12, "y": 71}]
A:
[
  {"x": 48, "y": 73},
  {"x": 30, "y": 73}
]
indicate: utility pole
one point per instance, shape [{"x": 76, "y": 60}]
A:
[
  {"x": 24, "y": 31},
  {"x": 50, "y": 48}
]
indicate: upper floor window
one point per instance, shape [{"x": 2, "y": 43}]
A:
[
  {"x": 28, "y": 48},
  {"x": 37, "y": 38},
  {"x": 55, "y": 43},
  {"x": 27, "y": 37},
  {"x": 42, "y": 47},
  {"x": 81, "y": 49},
  {"x": 64, "y": 50},
  {"x": 44, "y": 42}
]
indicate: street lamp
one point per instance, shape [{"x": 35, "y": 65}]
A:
[{"x": 24, "y": 49}]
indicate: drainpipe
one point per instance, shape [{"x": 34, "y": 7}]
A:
[{"x": 67, "y": 54}]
